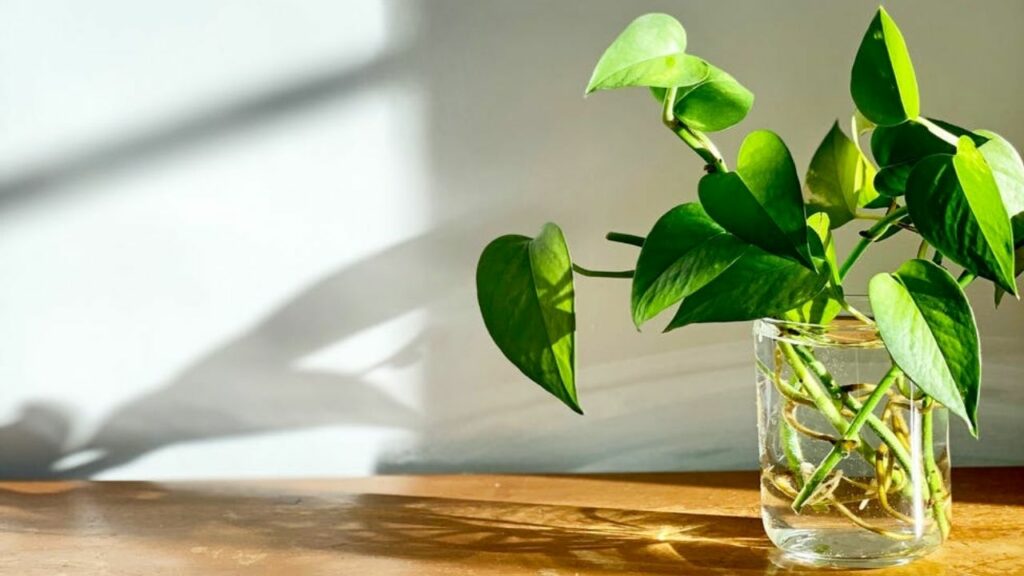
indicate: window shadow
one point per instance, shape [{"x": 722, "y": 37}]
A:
[{"x": 252, "y": 384}]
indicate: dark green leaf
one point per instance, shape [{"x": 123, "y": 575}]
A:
[
  {"x": 525, "y": 291},
  {"x": 683, "y": 252},
  {"x": 929, "y": 329},
  {"x": 912, "y": 141},
  {"x": 955, "y": 204},
  {"x": 898, "y": 148},
  {"x": 839, "y": 180},
  {"x": 883, "y": 83},
  {"x": 651, "y": 51},
  {"x": 761, "y": 201},
  {"x": 757, "y": 285},
  {"x": 892, "y": 180}
]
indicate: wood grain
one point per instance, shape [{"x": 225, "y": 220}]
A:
[{"x": 690, "y": 523}]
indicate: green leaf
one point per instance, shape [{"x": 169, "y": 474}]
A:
[
  {"x": 910, "y": 142},
  {"x": 757, "y": 285},
  {"x": 891, "y": 181},
  {"x": 897, "y": 149},
  {"x": 761, "y": 201},
  {"x": 525, "y": 291},
  {"x": 883, "y": 83},
  {"x": 1017, "y": 270},
  {"x": 823, "y": 245},
  {"x": 1008, "y": 170},
  {"x": 824, "y": 307},
  {"x": 956, "y": 206},
  {"x": 651, "y": 51},
  {"x": 714, "y": 104},
  {"x": 838, "y": 177},
  {"x": 684, "y": 251},
  {"x": 928, "y": 327}
]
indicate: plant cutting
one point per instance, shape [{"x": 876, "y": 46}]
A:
[{"x": 854, "y": 393}]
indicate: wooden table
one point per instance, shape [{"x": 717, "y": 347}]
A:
[{"x": 698, "y": 523}]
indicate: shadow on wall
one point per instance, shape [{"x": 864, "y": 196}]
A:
[{"x": 251, "y": 384}]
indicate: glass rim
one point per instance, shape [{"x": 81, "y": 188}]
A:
[
  {"x": 844, "y": 331},
  {"x": 845, "y": 322},
  {"x": 850, "y": 322}
]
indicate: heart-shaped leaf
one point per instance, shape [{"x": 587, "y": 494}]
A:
[
  {"x": 883, "y": 83},
  {"x": 891, "y": 181},
  {"x": 956, "y": 206},
  {"x": 1008, "y": 170},
  {"x": 525, "y": 290},
  {"x": 913, "y": 141},
  {"x": 897, "y": 149},
  {"x": 684, "y": 251},
  {"x": 761, "y": 201},
  {"x": 928, "y": 327},
  {"x": 716, "y": 103},
  {"x": 651, "y": 51},
  {"x": 839, "y": 180},
  {"x": 757, "y": 285}
]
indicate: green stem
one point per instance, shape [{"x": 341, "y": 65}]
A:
[
  {"x": 623, "y": 238},
  {"x": 821, "y": 398},
  {"x": 936, "y": 486},
  {"x": 695, "y": 139},
  {"x": 922, "y": 249},
  {"x": 602, "y": 273},
  {"x": 857, "y": 313},
  {"x": 839, "y": 450},
  {"x": 872, "y": 234},
  {"x": 965, "y": 279},
  {"x": 791, "y": 448},
  {"x": 668, "y": 114},
  {"x": 874, "y": 422}
]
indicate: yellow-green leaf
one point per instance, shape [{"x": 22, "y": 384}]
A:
[
  {"x": 883, "y": 83},
  {"x": 839, "y": 179},
  {"x": 651, "y": 51}
]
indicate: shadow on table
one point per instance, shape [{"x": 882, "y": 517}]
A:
[
  {"x": 468, "y": 532},
  {"x": 208, "y": 526}
]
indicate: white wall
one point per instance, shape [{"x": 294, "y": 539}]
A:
[{"x": 238, "y": 238}]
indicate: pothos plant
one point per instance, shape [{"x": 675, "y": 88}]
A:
[{"x": 759, "y": 245}]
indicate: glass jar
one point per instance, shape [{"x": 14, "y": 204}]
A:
[{"x": 840, "y": 489}]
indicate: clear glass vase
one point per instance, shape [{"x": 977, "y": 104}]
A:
[{"x": 868, "y": 496}]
